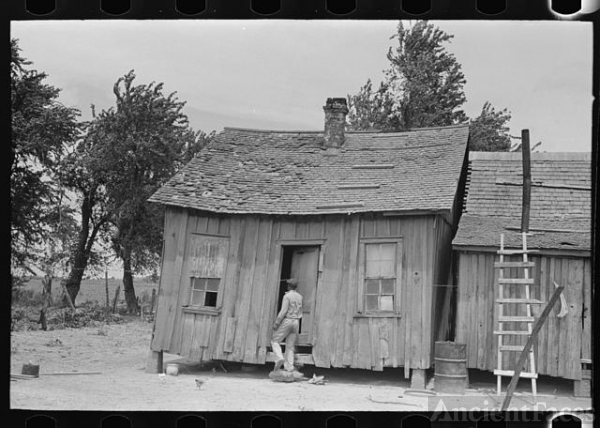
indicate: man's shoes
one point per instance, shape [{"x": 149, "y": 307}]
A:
[{"x": 278, "y": 364}]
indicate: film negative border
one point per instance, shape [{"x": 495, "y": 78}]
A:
[
  {"x": 290, "y": 9},
  {"x": 284, "y": 9}
]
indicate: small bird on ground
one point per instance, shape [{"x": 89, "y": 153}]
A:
[{"x": 199, "y": 383}]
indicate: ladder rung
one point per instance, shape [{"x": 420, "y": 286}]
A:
[
  {"x": 509, "y": 252},
  {"x": 517, "y": 348},
  {"x": 515, "y": 300},
  {"x": 514, "y": 264},
  {"x": 512, "y": 333},
  {"x": 520, "y": 281},
  {"x": 516, "y": 319},
  {"x": 512, "y": 373}
]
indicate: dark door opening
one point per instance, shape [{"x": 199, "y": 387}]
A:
[{"x": 301, "y": 263}]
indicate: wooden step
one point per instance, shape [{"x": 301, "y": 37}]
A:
[
  {"x": 510, "y": 252},
  {"x": 501, "y": 265},
  {"x": 511, "y": 373},
  {"x": 516, "y": 319},
  {"x": 512, "y": 333},
  {"x": 516, "y": 348},
  {"x": 516, "y": 300},
  {"x": 517, "y": 281}
]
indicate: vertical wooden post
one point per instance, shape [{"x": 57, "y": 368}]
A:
[
  {"x": 525, "y": 150},
  {"x": 106, "y": 291},
  {"x": 114, "y": 307},
  {"x": 155, "y": 362}
]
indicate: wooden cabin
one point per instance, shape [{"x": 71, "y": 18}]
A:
[
  {"x": 560, "y": 231},
  {"x": 364, "y": 221}
]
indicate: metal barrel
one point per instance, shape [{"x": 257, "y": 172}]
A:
[{"x": 451, "y": 374}]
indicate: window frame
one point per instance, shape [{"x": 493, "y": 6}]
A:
[
  {"x": 204, "y": 273},
  {"x": 361, "y": 300}
]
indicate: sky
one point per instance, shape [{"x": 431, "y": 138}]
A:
[{"x": 270, "y": 74}]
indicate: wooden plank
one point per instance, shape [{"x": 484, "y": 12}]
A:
[
  {"x": 353, "y": 231},
  {"x": 213, "y": 224},
  {"x": 512, "y": 372},
  {"x": 520, "y": 300},
  {"x": 427, "y": 252},
  {"x": 343, "y": 316},
  {"x": 165, "y": 293},
  {"x": 512, "y": 332},
  {"x": 364, "y": 345},
  {"x": 514, "y": 252},
  {"x": 256, "y": 314},
  {"x": 242, "y": 306},
  {"x": 586, "y": 332},
  {"x": 376, "y": 359},
  {"x": 196, "y": 348},
  {"x": 201, "y": 223},
  {"x": 499, "y": 265},
  {"x": 515, "y": 318},
  {"x": 574, "y": 298},
  {"x": 553, "y": 334},
  {"x": 327, "y": 301},
  {"x": 224, "y": 225},
  {"x": 270, "y": 294},
  {"x": 187, "y": 335},
  {"x": 230, "y": 283},
  {"x": 180, "y": 283},
  {"x": 229, "y": 335},
  {"x": 481, "y": 310},
  {"x": 516, "y": 281},
  {"x": 212, "y": 338}
]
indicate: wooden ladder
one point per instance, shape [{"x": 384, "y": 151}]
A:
[{"x": 524, "y": 298}]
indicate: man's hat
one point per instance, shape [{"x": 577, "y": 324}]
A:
[{"x": 292, "y": 281}]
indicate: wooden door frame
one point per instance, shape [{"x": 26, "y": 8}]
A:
[{"x": 280, "y": 243}]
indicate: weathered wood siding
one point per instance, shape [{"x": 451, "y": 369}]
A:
[
  {"x": 241, "y": 329},
  {"x": 562, "y": 342}
]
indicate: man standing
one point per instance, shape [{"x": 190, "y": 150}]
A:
[{"x": 287, "y": 326}]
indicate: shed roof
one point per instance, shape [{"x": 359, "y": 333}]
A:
[
  {"x": 560, "y": 212},
  {"x": 286, "y": 172}
]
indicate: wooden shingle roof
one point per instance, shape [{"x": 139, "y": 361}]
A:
[
  {"x": 560, "y": 213},
  {"x": 276, "y": 172}
]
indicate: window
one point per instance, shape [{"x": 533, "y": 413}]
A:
[
  {"x": 380, "y": 275},
  {"x": 205, "y": 291},
  {"x": 206, "y": 264}
]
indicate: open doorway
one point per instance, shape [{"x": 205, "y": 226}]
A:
[{"x": 302, "y": 263}]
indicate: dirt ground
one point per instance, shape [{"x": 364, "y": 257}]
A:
[{"x": 116, "y": 356}]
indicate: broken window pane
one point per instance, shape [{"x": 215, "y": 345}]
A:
[
  {"x": 211, "y": 299},
  {"x": 386, "y": 303}
]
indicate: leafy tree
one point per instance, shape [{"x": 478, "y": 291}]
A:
[
  {"x": 422, "y": 88},
  {"x": 41, "y": 129},
  {"x": 81, "y": 170},
  {"x": 146, "y": 138},
  {"x": 489, "y": 132}
]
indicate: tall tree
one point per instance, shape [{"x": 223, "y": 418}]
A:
[
  {"x": 489, "y": 132},
  {"x": 423, "y": 87},
  {"x": 81, "y": 170},
  {"x": 147, "y": 137},
  {"x": 41, "y": 128}
]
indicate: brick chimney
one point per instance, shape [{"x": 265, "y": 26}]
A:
[{"x": 335, "y": 121}]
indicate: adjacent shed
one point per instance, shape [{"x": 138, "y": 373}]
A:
[
  {"x": 560, "y": 229},
  {"x": 364, "y": 220}
]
